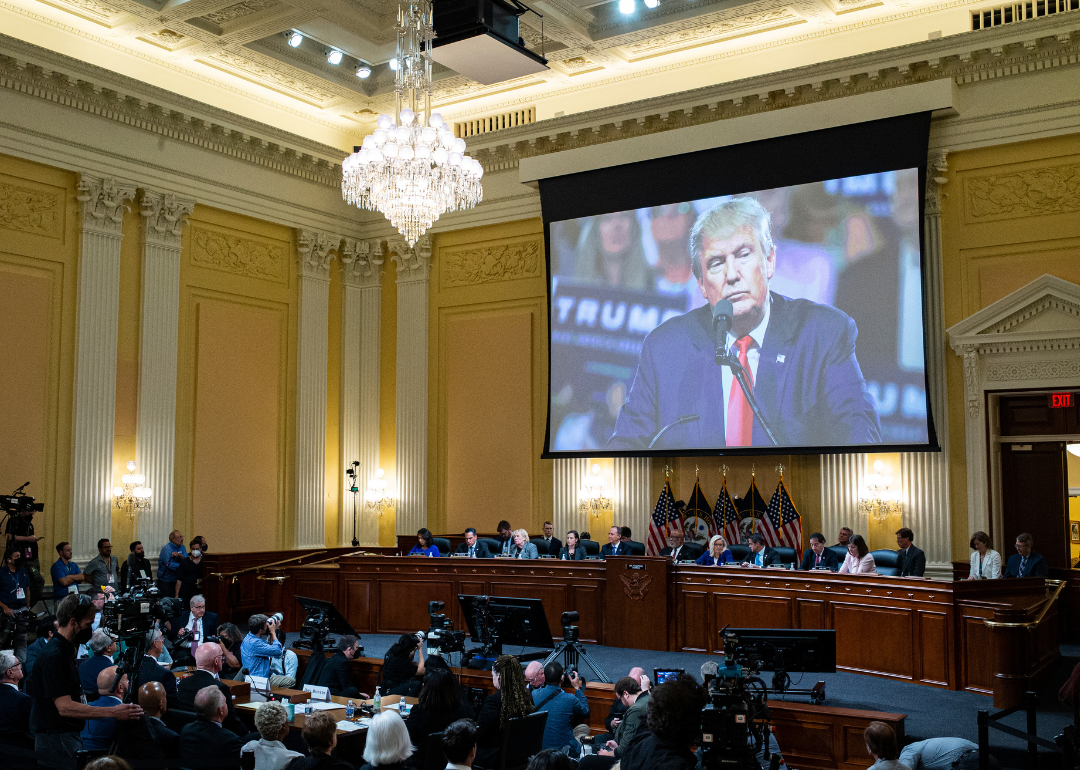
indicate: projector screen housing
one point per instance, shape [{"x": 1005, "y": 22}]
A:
[{"x": 479, "y": 39}]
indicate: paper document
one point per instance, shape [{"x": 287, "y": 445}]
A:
[{"x": 350, "y": 726}]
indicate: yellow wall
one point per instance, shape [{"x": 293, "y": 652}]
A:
[
  {"x": 127, "y": 372},
  {"x": 388, "y": 395},
  {"x": 1007, "y": 218},
  {"x": 1073, "y": 481}
]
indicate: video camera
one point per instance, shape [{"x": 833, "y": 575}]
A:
[
  {"x": 21, "y": 621},
  {"x": 20, "y": 502},
  {"x": 441, "y": 637},
  {"x": 139, "y": 610},
  {"x": 734, "y": 721}
]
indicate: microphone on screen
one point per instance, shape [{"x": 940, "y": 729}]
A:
[{"x": 722, "y": 315}]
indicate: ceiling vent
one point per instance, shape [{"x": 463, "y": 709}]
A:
[
  {"x": 1014, "y": 12},
  {"x": 469, "y": 128}
]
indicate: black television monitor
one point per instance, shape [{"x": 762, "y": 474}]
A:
[
  {"x": 807, "y": 650},
  {"x": 330, "y": 618},
  {"x": 519, "y": 622}
]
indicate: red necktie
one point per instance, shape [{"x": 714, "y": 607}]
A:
[{"x": 740, "y": 418}]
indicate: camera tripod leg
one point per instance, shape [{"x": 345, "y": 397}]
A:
[{"x": 572, "y": 652}]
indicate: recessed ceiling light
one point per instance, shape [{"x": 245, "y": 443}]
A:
[
  {"x": 363, "y": 71},
  {"x": 333, "y": 56},
  {"x": 295, "y": 39},
  {"x": 626, "y": 6},
  {"x": 652, "y": 3},
  {"x": 393, "y": 65}
]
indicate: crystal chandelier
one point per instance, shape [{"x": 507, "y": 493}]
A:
[{"x": 411, "y": 168}]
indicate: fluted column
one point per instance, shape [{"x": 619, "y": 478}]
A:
[
  {"x": 100, "y": 231},
  {"x": 155, "y": 436},
  {"x": 632, "y": 503},
  {"x": 841, "y": 481},
  {"x": 314, "y": 253},
  {"x": 413, "y": 275},
  {"x": 568, "y": 477},
  {"x": 361, "y": 309}
]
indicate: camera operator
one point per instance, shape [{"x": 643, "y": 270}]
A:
[
  {"x": 230, "y": 639},
  {"x": 561, "y": 706},
  {"x": 260, "y": 645},
  {"x": 59, "y": 708},
  {"x": 20, "y": 535},
  {"x": 674, "y": 728},
  {"x": 137, "y": 566},
  {"x": 336, "y": 673},
  {"x": 14, "y": 588}
]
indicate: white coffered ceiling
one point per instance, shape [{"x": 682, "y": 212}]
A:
[{"x": 234, "y": 55}]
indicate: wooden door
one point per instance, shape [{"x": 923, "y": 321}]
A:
[{"x": 1034, "y": 497}]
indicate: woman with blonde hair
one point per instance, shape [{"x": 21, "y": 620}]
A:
[
  {"x": 717, "y": 554},
  {"x": 522, "y": 548},
  {"x": 985, "y": 561}
]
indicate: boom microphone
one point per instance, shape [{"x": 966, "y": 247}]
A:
[{"x": 722, "y": 315}]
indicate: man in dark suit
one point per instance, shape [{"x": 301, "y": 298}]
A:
[
  {"x": 674, "y": 548},
  {"x": 818, "y": 556},
  {"x": 627, "y": 541},
  {"x": 15, "y": 707},
  {"x": 208, "y": 658},
  {"x": 800, "y": 355},
  {"x": 1025, "y": 562},
  {"x": 472, "y": 547},
  {"x": 548, "y": 545},
  {"x": 98, "y": 734},
  {"x": 152, "y": 671},
  {"x": 761, "y": 555},
  {"x": 147, "y": 742},
  {"x": 614, "y": 546},
  {"x": 336, "y": 674},
  {"x": 193, "y": 625},
  {"x": 204, "y": 743},
  {"x": 910, "y": 560}
]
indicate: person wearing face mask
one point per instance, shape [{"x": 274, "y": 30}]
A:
[
  {"x": 189, "y": 573},
  {"x": 14, "y": 591},
  {"x": 60, "y": 711}
]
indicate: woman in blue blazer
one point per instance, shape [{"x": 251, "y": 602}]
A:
[
  {"x": 425, "y": 544},
  {"x": 573, "y": 550},
  {"x": 717, "y": 554},
  {"x": 522, "y": 548}
]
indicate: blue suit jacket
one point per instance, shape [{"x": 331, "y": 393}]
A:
[
  {"x": 89, "y": 670},
  {"x": 1036, "y": 566},
  {"x": 808, "y": 383},
  {"x": 828, "y": 559},
  {"x": 561, "y": 709},
  {"x": 98, "y": 734}
]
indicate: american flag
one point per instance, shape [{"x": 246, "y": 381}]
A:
[
  {"x": 781, "y": 524},
  {"x": 725, "y": 517},
  {"x": 665, "y": 519}
]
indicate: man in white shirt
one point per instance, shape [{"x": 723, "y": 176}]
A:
[{"x": 459, "y": 744}]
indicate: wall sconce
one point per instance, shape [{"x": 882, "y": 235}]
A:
[
  {"x": 376, "y": 497},
  {"x": 592, "y": 497},
  {"x": 878, "y": 500},
  {"x": 133, "y": 496}
]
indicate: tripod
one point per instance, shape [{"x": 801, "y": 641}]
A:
[{"x": 572, "y": 651}]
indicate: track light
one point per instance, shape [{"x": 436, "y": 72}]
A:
[
  {"x": 393, "y": 65},
  {"x": 295, "y": 38},
  {"x": 363, "y": 71},
  {"x": 626, "y": 6},
  {"x": 333, "y": 56}
]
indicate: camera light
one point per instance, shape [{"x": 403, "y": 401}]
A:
[
  {"x": 295, "y": 39},
  {"x": 363, "y": 72},
  {"x": 333, "y": 56},
  {"x": 626, "y": 6}
]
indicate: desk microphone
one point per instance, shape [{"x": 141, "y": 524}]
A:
[{"x": 722, "y": 315}]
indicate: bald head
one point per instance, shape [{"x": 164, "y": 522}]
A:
[
  {"x": 152, "y": 698},
  {"x": 208, "y": 657},
  {"x": 635, "y": 673},
  {"x": 210, "y": 704},
  {"x": 105, "y": 683},
  {"x": 534, "y": 674}
]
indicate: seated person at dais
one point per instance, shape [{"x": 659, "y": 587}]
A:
[
  {"x": 674, "y": 549},
  {"x": 1025, "y": 562},
  {"x": 910, "y": 560},
  {"x": 402, "y": 672},
  {"x": 615, "y": 545},
  {"x": 548, "y": 545},
  {"x": 717, "y": 554},
  {"x": 858, "y": 559},
  {"x": 573, "y": 550},
  {"x": 441, "y": 702},
  {"x": 817, "y": 556},
  {"x": 388, "y": 746},
  {"x": 425, "y": 544},
  {"x": 473, "y": 547},
  {"x": 985, "y": 561},
  {"x": 511, "y": 700},
  {"x": 523, "y": 549},
  {"x": 761, "y": 555},
  {"x": 272, "y": 722},
  {"x": 506, "y": 538}
]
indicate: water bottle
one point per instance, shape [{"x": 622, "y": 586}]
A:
[
  {"x": 401, "y": 707},
  {"x": 378, "y": 701},
  {"x": 350, "y": 710}
]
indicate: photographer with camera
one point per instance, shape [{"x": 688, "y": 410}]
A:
[
  {"x": 59, "y": 709},
  {"x": 674, "y": 728},
  {"x": 20, "y": 535},
  {"x": 259, "y": 646},
  {"x": 402, "y": 672},
  {"x": 193, "y": 627},
  {"x": 562, "y": 707},
  {"x": 14, "y": 589}
]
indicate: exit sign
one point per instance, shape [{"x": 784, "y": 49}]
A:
[{"x": 1061, "y": 400}]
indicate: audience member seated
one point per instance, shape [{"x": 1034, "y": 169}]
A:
[
  {"x": 614, "y": 546},
  {"x": 442, "y": 701},
  {"x": 817, "y": 556},
  {"x": 534, "y": 675},
  {"x": 717, "y": 554},
  {"x": 152, "y": 671},
  {"x": 760, "y": 555},
  {"x": 388, "y": 745},
  {"x": 985, "y": 561},
  {"x": 154, "y": 702},
  {"x": 103, "y": 571},
  {"x": 98, "y": 734},
  {"x": 190, "y": 571},
  {"x": 548, "y": 545},
  {"x": 858, "y": 560},
  {"x": 193, "y": 625},
  {"x": 204, "y": 743},
  {"x": 272, "y": 722},
  {"x": 336, "y": 674},
  {"x": 136, "y": 567},
  {"x": 549, "y": 759},
  {"x": 102, "y": 648},
  {"x": 14, "y": 592},
  {"x": 562, "y": 708},
  {"x": 107, "y": 763},
  {"x": 284, "y": 667},
  {"x": 97, "y": 599},
  {"x": 66, "y": 574},
  {"x": 910, "y": 561},
  {"x": 459, "y": 745},
  {"x": 522, "y": 548},
  {"x": 260, "y": 645},
  {"x": 15, "y": 706},
  {"x": 843, "y": 538},
  {"x": 635, "y": 701},
  {"x": 45, "y": 631},
  {"x": 573, "y": 550},
  {"x": 231, "y": 642},
  {"x": 59, "y": 713},
  {"x": 673, "y": 720},
  {"x": 881, "y": 743},
  {"x": 401, "y": 673},
  {"x": 1025, "y": 562},
  {"x": 208, "y": 661},
  {"x": 473, "y": 547},
  {"x": 942, "y": 754},
  {"x": 511, "y": 700},
  {"x": 425, "y": 544}
]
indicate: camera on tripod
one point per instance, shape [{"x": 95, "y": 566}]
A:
[
  {"x": 733, "y": 722},
  {"x": 134, "y": 613},
  {"x": 441, "y": 637},
  {"x": 19, "y": 502}
]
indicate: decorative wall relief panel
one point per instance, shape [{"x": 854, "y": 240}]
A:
[
  {"x": 1032, "y": 192},
  {"x": 233, "y": 254},
  {"x": 507, "y": 261},
  {"x": 30, "y": 210}
]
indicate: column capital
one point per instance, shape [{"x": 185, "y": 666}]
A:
[
  {"x": 163, "y": 217},
  {"x": 313, "y": 251},
  {"x": 103, "y": 203},
  {"x": 413, "y": 262},
  {"x": 936, "y": 178},
  {"x": 361, "y": 262}
]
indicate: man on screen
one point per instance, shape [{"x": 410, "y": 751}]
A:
[{"x": 799, "y": 355}]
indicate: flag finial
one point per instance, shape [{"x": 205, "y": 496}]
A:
[
  {"x": 753, "y": 470},
  {"x": 723, "y": 470},
  {"x": 667, "y": 472},
  {"x": 697, "y": 470},
  {"x": 780, "y": 468}
]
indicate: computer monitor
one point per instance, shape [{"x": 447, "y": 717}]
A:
[
  {"x": 790, "y": 649},
  {"x": 518, "y": 622}
]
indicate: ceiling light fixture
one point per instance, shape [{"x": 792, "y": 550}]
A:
[
  {"x": 412, "y": 169},
  {"x": 295, "y": 39},
  {"x": 652, "y": 3},
  {"x": 393, "y": 64},
  {"x": 363, "y": 71},
  {"x": 626, "y": 6},
  {"x": 333, "y": 56}
]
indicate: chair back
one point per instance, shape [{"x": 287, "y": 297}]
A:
[
  {"x": 840, "y": 551},
  {"x": 493, "y": 545},
  {"x": 691, "y": 552},
  {"x": 592, "y": 548},
  {"x": 522, "y": 738},
  {"x": 785, "y": 555},
  {"x": 885, "y": 561},
  {"x": 175, "y": 719},
  {"x": 739, "y": 552},
  {"x": 636, "y": 548},
  {"x": 434, "y": 759},
  {"x": 442, "y": 544}
]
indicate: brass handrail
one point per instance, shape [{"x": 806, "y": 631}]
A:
[
  {"x": 331, "y": 558},
  {"x": 223, "y": 575},
  {"x": 1058, "y": 585}
]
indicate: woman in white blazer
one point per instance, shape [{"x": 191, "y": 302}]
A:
[
  {"x": 858, "y": 559},
  {"x": 985, "y": 561}
]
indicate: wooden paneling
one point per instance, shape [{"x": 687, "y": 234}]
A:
[
  {"x": 934, "y": 647},
  {"x": 810, "y": 613},
  {"x": 403, "y": 606},
  {"x": 751, "y": 611},
  {"x": 636, "y": 589},
  {"x": 826, "y": 738},
  {"x": 358, "y": 605},
  {"x": 694, "y": 633},
  {"x": 874, "y": 639},
  {"x": 588, "y": 601}
]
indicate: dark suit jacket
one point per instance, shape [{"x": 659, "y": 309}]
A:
[
  {"x": 809, "y": 385},
  {"x": 488, "y": 731},
  {"x": 89, "y": 670},
  {"x": 335, "y": 674},
  {"x": 688, "y": 552},
  {"x": 828, "y": 559},
  {"x": 1036, "y": 566},
  {"x": 189, "y": 688},
  {"x": 147, "y": 743},
  {"x": 606, "y": 550},
  {"x": 150, "y": 671},
  {"x": 578, "y": 555},
  {"x": 15, "y": 709},
  {"x": 210, "y": 623},
  {"x": 482, "y": 551},
  {"x": 204, "y": 744},
  {"x": 768, "y": 556},
  {"x": 912, "y": 566},
  {"x": 551, "y": 550}
]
